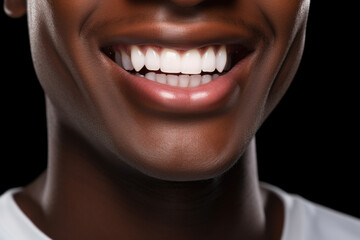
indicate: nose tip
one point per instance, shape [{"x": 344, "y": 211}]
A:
[{"x": 187, "y": 3}]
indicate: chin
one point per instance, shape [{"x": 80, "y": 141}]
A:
[
  {"x": 193, "y": 169},
  {"x": 191, "y": 163}
]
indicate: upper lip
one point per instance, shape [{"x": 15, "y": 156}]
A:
[{"x": 178, "y": 35}]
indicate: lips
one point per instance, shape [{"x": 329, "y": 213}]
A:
[{"x": 179, "y": 79}]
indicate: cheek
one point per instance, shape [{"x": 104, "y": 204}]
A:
[
  {"x": 285, "y": 16},
  {"x": 72, "y": 12},
  {"x": 288, "y": 19},
  {"x": 58, "y": 57}
]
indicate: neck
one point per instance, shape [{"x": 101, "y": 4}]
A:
[{"x": 89, "y": 201}]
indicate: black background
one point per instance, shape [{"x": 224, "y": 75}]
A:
[{"x": 309, "y": 145}]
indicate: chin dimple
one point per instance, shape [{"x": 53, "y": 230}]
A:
[{"x": 181, "y": 68}]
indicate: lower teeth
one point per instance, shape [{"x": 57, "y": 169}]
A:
[{"x": 179, "y": 80}]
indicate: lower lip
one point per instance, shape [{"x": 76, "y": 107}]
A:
[
  {"x": 161, "y": 97},
  {"x": 214, "y": 96}
]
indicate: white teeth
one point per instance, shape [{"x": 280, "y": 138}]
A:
[
  {"x": 208, "y": 60},
  {"x": 137, "y": 58},
  {"x": 195, "y": 80},
  {"x": 151, "y": 76},
  {"x": 172, "y": 80},
  {"x": 181, "y": 80},
  {"x": 206, "y": 79},
  {"x": 152, "y": 60},
  {"x": 191, "y": 62},
  {"x": 184, "y": 80},
  {"x": 126, "y": 61},
  {"x": 161, "y": 78},
  {"x": 221, "y": 58},
  {"x": 215, "y": 76},
  {"x": 170, "y": 61}
]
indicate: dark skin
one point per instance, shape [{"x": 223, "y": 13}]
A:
[{"x": 123, "y": 168}]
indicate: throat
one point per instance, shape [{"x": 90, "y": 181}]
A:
[
  {"x": 179, "y": 204},
  {"x": 226, "y": 207},
  {"x": 108, "y": 202}
]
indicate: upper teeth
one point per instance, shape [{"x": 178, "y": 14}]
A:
[{"x": 172, "y": 61}]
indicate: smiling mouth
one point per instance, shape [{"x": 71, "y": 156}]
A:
[{"x": 177, "y": 67}]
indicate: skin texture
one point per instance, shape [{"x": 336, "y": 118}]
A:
[{"x": 119, "y": 168}]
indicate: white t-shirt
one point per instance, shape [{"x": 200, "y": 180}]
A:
[{"x": 304, "y": 220}]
